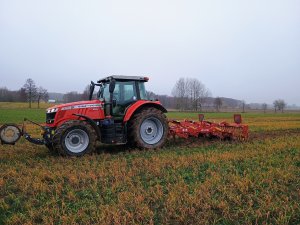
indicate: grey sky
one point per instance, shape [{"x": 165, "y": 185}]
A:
[{"x": 247, "y": 50}]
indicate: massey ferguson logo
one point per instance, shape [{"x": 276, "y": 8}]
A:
[{"x": 84, "y": 106}]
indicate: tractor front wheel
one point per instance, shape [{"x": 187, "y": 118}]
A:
[
  {"x": 74, "y": 138},
  {"x": 148, "y": 129}
]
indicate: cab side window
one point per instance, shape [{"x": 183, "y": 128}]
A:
[
  {"x": 105, "y": 93},
  {"x": 143, "y": 93},
  {"x": 129, "y": 92},
  {"x": 126, "y": 92}
]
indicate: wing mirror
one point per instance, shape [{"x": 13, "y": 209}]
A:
[
  {"x": 92, "y": 87},
  {"x": 112, "y": 86}
]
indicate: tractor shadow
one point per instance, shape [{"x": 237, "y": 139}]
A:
[
  {"x": 114, "y": 149},
  {"x": 170, "y": 144}
]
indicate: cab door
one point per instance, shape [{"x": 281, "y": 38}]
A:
[{"x": 125, "y": 94}]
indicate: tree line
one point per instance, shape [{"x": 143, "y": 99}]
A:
[
  {"x": 74, "y": 96},
  {"x": 29, "y": 92},
  {"x": 191, "y": 94},
  {"x": 188, "y": 94}
]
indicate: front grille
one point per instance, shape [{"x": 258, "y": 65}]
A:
[{"x": 50, "y": 117}]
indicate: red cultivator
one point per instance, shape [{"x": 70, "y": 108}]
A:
[{"x": 223, "y": 130}]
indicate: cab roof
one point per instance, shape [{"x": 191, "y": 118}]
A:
[{"x": 123, "y": 78}]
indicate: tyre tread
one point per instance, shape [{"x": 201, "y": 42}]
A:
[
  {"x": 59, "y": 132},
  {"x": 134, "y": 138}
]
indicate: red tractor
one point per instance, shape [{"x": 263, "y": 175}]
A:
[{"x": 120, "y": 113}]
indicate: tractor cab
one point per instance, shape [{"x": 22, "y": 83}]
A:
[{"x": 119, "y": 92}]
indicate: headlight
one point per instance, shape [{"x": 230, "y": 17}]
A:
[{"x": 52, "y": 110}]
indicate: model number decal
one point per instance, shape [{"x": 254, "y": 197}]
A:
[{"x": 84, "y": 106}]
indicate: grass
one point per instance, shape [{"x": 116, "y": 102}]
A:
[
  {"x": 186, "y": 182},
  {"x": 15, "y": 112},
  {"x": 18, "y": 115}
]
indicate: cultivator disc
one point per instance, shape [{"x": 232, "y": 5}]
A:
[
  {"x": 10, "y": 134},
  {"x": 223, "y": 130}
]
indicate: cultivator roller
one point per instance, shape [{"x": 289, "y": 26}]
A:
[{"x": 223, "y": 130}]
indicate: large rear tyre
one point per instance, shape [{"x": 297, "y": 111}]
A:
[
  {"x": 148, "y": 129},
  {"x": 75, "y": 138}
]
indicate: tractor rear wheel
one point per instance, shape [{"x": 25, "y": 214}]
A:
[
  {"x": 74, "y": 138},
  {"x": 148, "y": 129}
]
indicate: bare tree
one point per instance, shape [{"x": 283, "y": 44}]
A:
[
  {"x": 179, "y": 91},
  {"x": 30, "y": 90},
  {"x": 275, "y": 103},
  {"x": 218, "y": 103},
  {"x": 282, "y": 105},
  {"x": 41, "y": 94},
  {"x": 279, "y": 105},
  {"x": 264, "y": 107},
  {"x": 243, "y": 106},
  {"x": 191, "y": 89},
  {"x": 197, "y": 93},
  {"x": 190, "y": 93}
]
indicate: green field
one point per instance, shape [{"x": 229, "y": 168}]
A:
[
  {"x": 194, "y": 181},
  {"x": 11, "y": 112}
]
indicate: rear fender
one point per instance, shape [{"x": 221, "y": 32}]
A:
[{"x": 139, "y": 105}]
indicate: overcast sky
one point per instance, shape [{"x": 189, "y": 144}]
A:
[{"x": 248, "y": 50}]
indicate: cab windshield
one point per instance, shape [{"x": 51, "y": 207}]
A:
[
  {"x": 124, "y": 92},
  {"x": 104, "y": 92}
]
